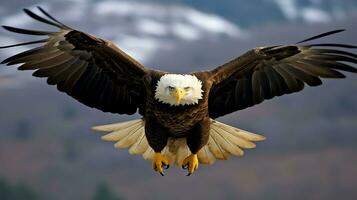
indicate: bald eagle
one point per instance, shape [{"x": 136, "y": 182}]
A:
[{"x": 178, "y": 111}]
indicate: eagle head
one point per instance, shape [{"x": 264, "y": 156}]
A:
[{"x": 178, "y": 89}]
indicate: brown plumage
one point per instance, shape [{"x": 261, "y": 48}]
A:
[{"x": 98, "y": 74}]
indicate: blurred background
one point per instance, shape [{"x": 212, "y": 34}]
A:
[{"x": 48, "y": 151}]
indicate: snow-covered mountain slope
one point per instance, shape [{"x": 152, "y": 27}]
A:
[
  {"x": 143, "y": 28},
  {"x": 137, "y": 27},
  {"x": 314, "y": 11},
  {"x": 257, "y": 12}
]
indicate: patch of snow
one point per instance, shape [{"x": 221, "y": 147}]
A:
[
  {"x": 5, "y": 40},
  {"x": 18, "y": 20},
  {"x": 309, "y": 14},
  {"x": 185, "y": 31},
  {"x": 76, "y": 11},
  {"x": 121, "y": 8},
  {"x": 314, "y": 15},
  {"x": 152, "y": 27},
  {"x": 289, "y": 8},
  {"x": 139, "y": 48},
  {"x": 211, "y": 23}
]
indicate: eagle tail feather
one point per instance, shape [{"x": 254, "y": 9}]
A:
[{"x": 224, "y": 141}]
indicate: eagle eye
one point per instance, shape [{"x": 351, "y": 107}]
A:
[{"x": 171, "y": 88}]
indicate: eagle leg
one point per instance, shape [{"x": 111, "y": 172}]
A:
[
  {"x": 190, "y": 163},
  {"x": 159, "y": 163}
]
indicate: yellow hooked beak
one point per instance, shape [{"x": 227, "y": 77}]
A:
[{"x": 179, "y": 93}]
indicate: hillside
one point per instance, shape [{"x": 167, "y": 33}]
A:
[{"x": 46, "y": 142}]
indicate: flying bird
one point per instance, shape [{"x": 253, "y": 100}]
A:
[{"x": 179, "y": 111}]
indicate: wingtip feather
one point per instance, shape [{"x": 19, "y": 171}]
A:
[
  {"x": 99, "y": 128},
  {"x": 52, "y": 18},
  {"x": 6, "y": 27},
  {"x": 26, "y": 10},
  {"x": 322, "y": 35}
]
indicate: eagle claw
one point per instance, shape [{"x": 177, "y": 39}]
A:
[
  {"x": 159, "y": 163},
  {"x": 190, "y": 163}
]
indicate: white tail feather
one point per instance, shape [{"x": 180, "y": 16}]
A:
[
  {"x": 224, "y": 141},
  {"x": 117, "y": 126},
  {"x": 131, "y": 138},
  {"x": 225, "y": 144},
  {"x": 149, "y": 154},
  {"x": 140, "y": 146},
  {"x": 238, "y": 132},
  {"x": 205, "y": 156},
  {"x": 216, "y": 149}
]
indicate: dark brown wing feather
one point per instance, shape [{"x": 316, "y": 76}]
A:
[
  {"x": 264, "y": 73},
  {"x": 92, "y": 70}
]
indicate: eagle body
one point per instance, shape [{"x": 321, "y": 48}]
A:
[
  {"x": 179, "y": 111},
  {"x": 181, "y": 121}
]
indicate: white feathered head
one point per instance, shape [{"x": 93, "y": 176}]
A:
[{"x": 177, "y": 89}]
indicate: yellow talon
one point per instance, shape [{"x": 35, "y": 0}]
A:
[
  {"x": 190, "y": 163},
  {"x": 158, "y": 162}
]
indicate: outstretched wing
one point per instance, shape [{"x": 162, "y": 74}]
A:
[
  {"x": 266, "y": 72},
  {"x": 92, "y": 70}
]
